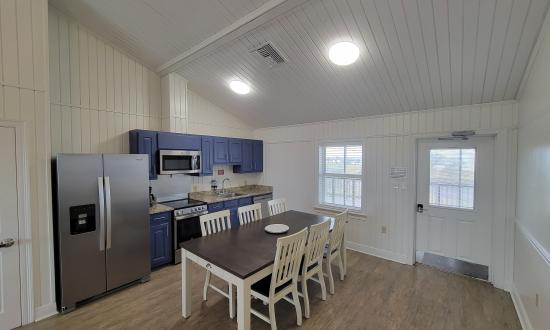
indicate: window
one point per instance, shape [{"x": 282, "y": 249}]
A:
[
  {"x": 340, "y": 175},
  {"x": 452, "y": 178}
]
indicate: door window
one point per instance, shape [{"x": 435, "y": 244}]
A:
[{"x": 452, "y": 177}]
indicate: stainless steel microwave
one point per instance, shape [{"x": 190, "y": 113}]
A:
[{"x": 179, "y": 161}]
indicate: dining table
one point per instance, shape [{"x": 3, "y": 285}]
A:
[{"x": 242, "y": 256}]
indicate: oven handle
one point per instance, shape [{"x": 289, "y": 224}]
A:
[{"x": 190, "y": 216}]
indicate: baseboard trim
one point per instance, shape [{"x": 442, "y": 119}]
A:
[
  {"x": 44, "y": 311},
  {"x": 380, "y": 253},
  {"x": 520, "y": 309}
]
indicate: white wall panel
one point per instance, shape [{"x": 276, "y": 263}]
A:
[
  {"x": 532, "y": 260},
  {"x": 24, "y": 97},
  {"x": 102, "y": 84},
  {"x": 389, "y": 141}
]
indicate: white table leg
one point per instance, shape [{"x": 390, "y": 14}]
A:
[
  {"x": 243, "y": 305},
  {"x": 185, "y": 285}
]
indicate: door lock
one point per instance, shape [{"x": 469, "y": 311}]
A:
[
  {"x": 7, "y": 243},
  {"x": 420, "y": 208}
]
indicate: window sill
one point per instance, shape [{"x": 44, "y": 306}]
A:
[{"x": 332, "y": 211}]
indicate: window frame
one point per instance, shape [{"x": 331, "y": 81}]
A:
[
  {"x": 362, "y": 176},
  {"x": 452, "y": 208}
]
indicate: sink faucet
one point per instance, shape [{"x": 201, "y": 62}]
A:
[{"x": 223, "y": 184}]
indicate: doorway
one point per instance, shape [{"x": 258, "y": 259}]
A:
[{"x": 455, "y": 205}]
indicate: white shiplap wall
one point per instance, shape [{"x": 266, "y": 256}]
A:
[
  {"x": 174, "y": 103},
  {"x": 24, "y": 98},
  {"x": 532, "y": 251},
  {"x": 391, "y": 141},
  {"x": 97, "y": 93}
]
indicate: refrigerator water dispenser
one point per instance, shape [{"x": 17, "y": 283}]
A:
[{"x": 82, "y": 218}]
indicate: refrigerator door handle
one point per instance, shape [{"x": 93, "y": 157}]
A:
[
  {"x": 108, "y": 209},
  {"x": 101, "y": 213}
]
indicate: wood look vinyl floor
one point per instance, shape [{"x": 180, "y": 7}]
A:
[{"x": 376, "y": 294}]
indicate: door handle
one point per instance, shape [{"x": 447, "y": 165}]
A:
[
  {"x": 108, "y": 210},
  {"x": 420, "y": 208},
  {"x": 6, "y": 243},
  {"x": 101, "y": 213}
]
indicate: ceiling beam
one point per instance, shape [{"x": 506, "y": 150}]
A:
[{"x": 256, "y": 18}]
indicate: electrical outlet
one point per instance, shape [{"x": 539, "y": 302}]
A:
[
  {"x": 537, "y": 300},
  {"x": 384, "y": 229}
]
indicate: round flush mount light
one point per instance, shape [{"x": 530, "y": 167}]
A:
[
  {"x": 343, "y": 53},
  {"x": 239, "y": 87}
]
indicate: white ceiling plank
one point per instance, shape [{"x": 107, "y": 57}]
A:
[
  {"x": 500, "y": 31},
  {"x": 484, "y": 37},
  {"x": 456, "y": 40},
  {"x": 441, "y": 15},
  {"x": 471, "y": 24}
]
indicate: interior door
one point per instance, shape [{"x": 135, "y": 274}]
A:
[
  {"x": 455, "y": 188},
  {"x": 127, "y": 196},
  {"x": 10, "y": 301}
]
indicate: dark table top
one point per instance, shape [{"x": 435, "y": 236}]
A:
[{"x": 247, "y": 249}]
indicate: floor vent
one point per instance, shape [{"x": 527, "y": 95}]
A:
[{"x": 269, "y": 54}]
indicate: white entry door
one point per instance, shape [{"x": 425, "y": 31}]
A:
[
  {"x": 455, "y": 188},
  {"x": 10, "y": 300}
]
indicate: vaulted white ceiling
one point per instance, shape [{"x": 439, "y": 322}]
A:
[
  {"x": 415, "y": 54},
  {"x": 157, "y": 30}
]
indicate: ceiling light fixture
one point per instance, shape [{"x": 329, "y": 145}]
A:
[
  {"x": 343, "y": 53},
  {"x": 239, "y": 87}
]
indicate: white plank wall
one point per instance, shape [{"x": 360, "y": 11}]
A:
[
  {"x": 388, "y": 140},
  {"x": 23, "y": 98},
  {"x": 174, "y": 103},
  {"x": 97, "y": 93}
]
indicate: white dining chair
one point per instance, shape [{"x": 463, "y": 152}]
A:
[
  {"x": 284, "y": 279},
  {"x": 249, "y": 213},
  {"x": 334, "y": 250},
  {"x": 312, "y": 264},
  {"x": 210, "y": 224},
  {"x": 276, "y": 206}
]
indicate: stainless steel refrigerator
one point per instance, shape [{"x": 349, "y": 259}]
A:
[{"x": 101, "y": 224}]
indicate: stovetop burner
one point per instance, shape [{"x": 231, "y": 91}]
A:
[{"x": 182, "y": 203}]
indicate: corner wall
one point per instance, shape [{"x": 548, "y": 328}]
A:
[
  {"x": 290, "y": 161},
  {"x": 531, "y": 290}
]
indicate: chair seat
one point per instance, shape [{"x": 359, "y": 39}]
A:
[
  {"x": 262, "y": 286},
  {"x": 308, "y": 269}
]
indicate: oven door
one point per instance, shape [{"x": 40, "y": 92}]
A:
[
  {"x": 179, "y": 162},
  {"x": 184, "y": 230}
]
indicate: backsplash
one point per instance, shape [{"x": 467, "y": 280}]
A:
[{"x": 167, "y": 185}]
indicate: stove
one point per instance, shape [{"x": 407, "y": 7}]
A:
[{"x": 186, "y": 223}]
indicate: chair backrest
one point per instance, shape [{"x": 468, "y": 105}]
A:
[
  {"x": 288, "y": 257},
  {"x": 276, "y": 206},
  {"x": 216, "y": 222},
  {"x": 316, "y": 242},
  {"x": 250, "y": 213},
  {"x": 337, "y": 234}
]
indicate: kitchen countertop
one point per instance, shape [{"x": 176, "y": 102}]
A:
[
  {"x": 159, "y": 208},
  {"x": 244, "y": 191}
]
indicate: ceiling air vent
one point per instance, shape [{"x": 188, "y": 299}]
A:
[{"x": 269, "y": 54}]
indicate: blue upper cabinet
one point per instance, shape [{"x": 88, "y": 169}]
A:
[
  {"x": 258, "y": 156},
  {"x": 207, "y": 154},
  {"x": 221, "y": 150},
  {"x": 176, "y": 141},
  {"x": 252, "y": 157},
  {"x": 145, "y": 142},
  {"x": 235, "y": 151}
]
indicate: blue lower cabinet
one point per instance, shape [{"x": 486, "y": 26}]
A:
[
  {"x": 245, "y": 201},
  {"x": 215, "y": 207},
  {"x": 161, "y": 239}
]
